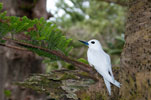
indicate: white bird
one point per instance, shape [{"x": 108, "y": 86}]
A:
[{"x": 101, "y": 62}]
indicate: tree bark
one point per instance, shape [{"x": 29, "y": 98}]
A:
[
  {"x": 136, "y": 55},
  {"x": 17, "y": 65},
  {"x": 2, "y": 73},
  {"x": 30, "y": 8}
]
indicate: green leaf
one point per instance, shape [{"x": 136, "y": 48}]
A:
[
  {"x": 1, "y": 6},
  {"x": 83, "y": 60},
  {"x": 7, "y": 93}
]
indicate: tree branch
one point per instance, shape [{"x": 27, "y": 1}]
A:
[
  {"x": 77, "y": 64},
  {"x": 13, "y": 47}
]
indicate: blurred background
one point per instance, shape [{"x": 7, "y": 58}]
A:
[
  {"x": 90, "y": 19},
  {"x": 78, "y": 20}
]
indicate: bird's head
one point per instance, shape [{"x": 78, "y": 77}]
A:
[{"x": 93, "y": 44}]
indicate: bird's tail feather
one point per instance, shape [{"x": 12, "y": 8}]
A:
[
  {"x": 116, "y": 83},
  {"x": 109, "y": 78},
  {"x": 108, "y": 86}
]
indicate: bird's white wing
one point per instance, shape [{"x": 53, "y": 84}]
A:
[
  {"x": 90, "y": 63},
  {"x": 109, "y": 66},
  {"x": 108, "y": 86},
  {"x": 109, "y": 78},
  {"x": 101, "y": 62}
]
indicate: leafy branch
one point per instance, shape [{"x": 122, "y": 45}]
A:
[
  {"x": 43, "y": 38},
  {"x": 77, "y": 64}
]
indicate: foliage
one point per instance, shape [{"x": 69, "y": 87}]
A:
[
  {"x": 95, "y": 16},
  {"x": 38, "y": 31},
  {"x": 7, "y": 93}
]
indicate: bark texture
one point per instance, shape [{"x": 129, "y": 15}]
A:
[
  {"x": 2, "y": 73},
  {"x": 136, "y": 56},
  {"x": 17, "y": 65}
]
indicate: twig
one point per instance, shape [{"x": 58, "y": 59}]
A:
[{"x": 14, "y": 47}]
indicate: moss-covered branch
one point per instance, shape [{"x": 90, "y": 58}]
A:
[{"x": 59, "y": 83}]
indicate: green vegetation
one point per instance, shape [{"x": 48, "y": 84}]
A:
[
  {"x": 7, "y": 93},
  {"x": 38, "y": 32}
]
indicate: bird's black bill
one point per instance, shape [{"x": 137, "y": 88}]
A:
[{"x": 86, "y": 43}]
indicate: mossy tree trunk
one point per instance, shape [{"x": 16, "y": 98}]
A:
[
  {"x": 17, "y": 65},
  {"x": 136, "y": 55}
]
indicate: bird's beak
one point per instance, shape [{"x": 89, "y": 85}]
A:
[{"x": 86, "y": 43}]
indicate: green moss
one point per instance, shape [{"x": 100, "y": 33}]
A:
[
  {"x": 85, "y": 96},
  {"x": 115, "y": 68},
  {"x": 68, "y": 76},
  {"x": 92, "y": 96},
  {"x": 84, "y": 73},
  {"x": 58, "y": 83},
  {"x": 43, "y": 84}
]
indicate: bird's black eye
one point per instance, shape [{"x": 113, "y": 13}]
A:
[{"x": 93, "y": 42}]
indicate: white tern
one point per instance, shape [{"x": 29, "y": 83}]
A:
[{"x": 101, "y": 62}]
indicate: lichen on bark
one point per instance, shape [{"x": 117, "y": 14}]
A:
[{"x": 59, "y": 83}]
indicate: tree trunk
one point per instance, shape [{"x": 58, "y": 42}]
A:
[
  {"x": 136, "y": 56},
  {"x": 17, "y": 65},
  {"x": 2, "y": 73}
]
